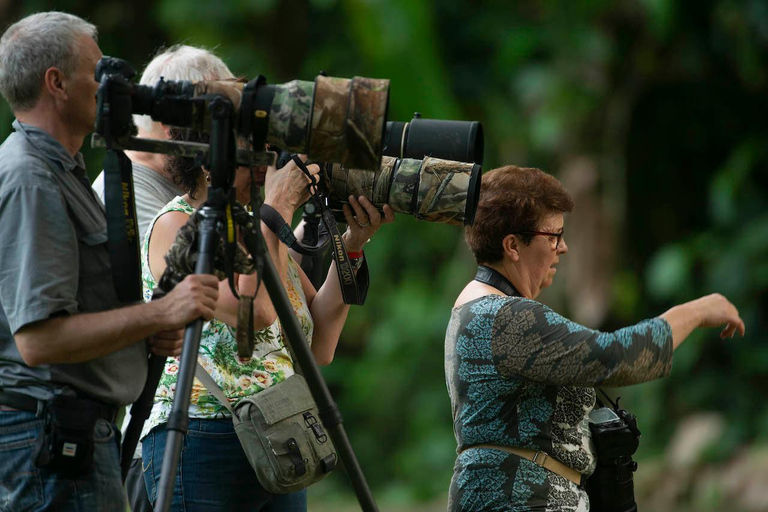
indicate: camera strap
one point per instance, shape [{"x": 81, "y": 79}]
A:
[
  {"x": 614, "y": 405},
  {"x": 122, "y": 227},
  {"x": 627, "y": 417},
  {"x": 354, "y": 285},
  {"x": 279, "y": 227},
  {"x": 492, "y": 277}
]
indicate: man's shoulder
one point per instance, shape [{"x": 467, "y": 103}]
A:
[{"x": 21, "y": 165}]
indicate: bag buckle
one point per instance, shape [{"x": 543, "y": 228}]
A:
[
  {"x": 536, "y": 456},
  {"x": 317, "y": 429}
]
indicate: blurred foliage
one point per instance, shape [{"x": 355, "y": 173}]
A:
[{"x": 667, "y": 98}]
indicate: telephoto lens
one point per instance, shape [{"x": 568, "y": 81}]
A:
[
  {"x": 333, "y": 120},
  {"x": 431, "y": 189}
]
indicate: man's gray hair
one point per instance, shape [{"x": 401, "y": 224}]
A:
[
  {"x": 181, "y": 62},
  {"x": 32, "y": 45}
]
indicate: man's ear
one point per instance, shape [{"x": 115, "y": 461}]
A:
[
  {"x": 511, "y": 244},
  {"x": 166, "y": 130},
  {"x": 53, "y": 82}
]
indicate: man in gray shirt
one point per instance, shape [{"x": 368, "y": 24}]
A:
[{"x": 64, "y": 336}]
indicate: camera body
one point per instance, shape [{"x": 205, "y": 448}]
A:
[{"x": 616, "y": 438}]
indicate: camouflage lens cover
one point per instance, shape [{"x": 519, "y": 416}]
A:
[
  {"x": 329, "y": 119},
  {"x": 230, "y": 89},
  {"x": 367, "y": 117},
  {"x": 338, "y": 190},
  {"x": 383, "y": 180},
  {"x": 348, "y": 118},
  {"x": 357, "y": 182},
  {"x": 405, "y": 186},
  {"x": 290, "y": 115},
  {"x": 432, "y": 189},
  {"x": 443, "y": 191}
]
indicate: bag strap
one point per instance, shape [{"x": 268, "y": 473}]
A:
[
  {"x": 210, "y": 384},
  {"x": 244, "y": 334}
]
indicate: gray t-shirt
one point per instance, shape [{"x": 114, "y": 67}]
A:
[
  {"x": 54, "y": 261},
  {"x": 151, "y": 192}
]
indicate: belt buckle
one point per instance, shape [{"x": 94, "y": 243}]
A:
[{"x": 536, "y": 456}]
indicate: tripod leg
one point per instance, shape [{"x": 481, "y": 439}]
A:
[
  {"x": 178, "y": 420},
  {"x": 329, "y": 412}
]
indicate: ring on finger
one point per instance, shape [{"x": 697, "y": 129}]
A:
[{"x": 363, "y": 225}]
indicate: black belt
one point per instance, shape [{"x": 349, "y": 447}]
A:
[{"x": 30, "y": 404}]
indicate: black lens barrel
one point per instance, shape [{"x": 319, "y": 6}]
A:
[
  {"x": 460, "y": 141},
  {"x": 170, "y": 102}
]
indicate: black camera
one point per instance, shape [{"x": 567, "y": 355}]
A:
[
  {"x": 616, "y": 438},
  {"x": 330, "y": 119}
]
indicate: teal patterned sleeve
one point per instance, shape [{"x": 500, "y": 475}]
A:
[{"x": 532, "y": 342}]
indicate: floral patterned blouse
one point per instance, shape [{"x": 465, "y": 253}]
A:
[
  {"x": 238, "y": 378},
  {"x": 521, "y": 375}
]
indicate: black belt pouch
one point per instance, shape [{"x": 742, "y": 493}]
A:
[{"x": 67, "y": 446}]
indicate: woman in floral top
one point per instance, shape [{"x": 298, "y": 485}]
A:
[
  {"x": 521, "y": 377},
  {"x": 213, "y": 472}
]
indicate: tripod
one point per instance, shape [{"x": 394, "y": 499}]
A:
[{"x": 213, "y": 219}]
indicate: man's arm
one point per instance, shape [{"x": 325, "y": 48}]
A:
[{"x": 82, "y": 337}]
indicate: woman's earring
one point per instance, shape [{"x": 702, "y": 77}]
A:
[{"x": 207, "y": 177}]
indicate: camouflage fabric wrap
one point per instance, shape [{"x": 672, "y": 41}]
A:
[
  {"x": 432, "y": 189},
  {"x": 290, "y": 116},
  {"x": 348, "y": 118},
  {"x": 372, "y": 184},
  {"x": 382, "y": 181},
  {"x": 443, "y": 191},
  {"x": 405, "y": 186},
  {"x": 337, "y": 183},
  {"x": 182, "y": 256},
  {"x": 229, "y": 89},
  {"x": 368, "y": 103}
]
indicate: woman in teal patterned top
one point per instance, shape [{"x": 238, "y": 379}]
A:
[
  {"x": 522, "y": 378},
  {"x": 214, "y": 473}
]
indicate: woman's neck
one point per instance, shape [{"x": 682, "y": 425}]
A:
[{"x": 514, "y": 276}]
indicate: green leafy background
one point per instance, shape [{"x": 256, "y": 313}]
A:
[{"x": 652, "y": 112}]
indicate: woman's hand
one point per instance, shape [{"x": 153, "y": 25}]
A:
[
  {"x": 715, "y": 310},
  {"x": 708, "y": 311},
  {"x": 287, "y": 188},
  {"x": 363, "y": 220}
]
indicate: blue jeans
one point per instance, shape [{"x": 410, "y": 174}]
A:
[
  {"x": 25, "y": 487},
  {"x": 213, "y": 474}
]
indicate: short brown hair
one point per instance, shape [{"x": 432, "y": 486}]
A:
[{"x": 513, "y": 199}]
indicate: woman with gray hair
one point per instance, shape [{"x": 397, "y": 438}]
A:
[
  {"x": 521, "y": 377},
  {"x": 152, "y": 182}
]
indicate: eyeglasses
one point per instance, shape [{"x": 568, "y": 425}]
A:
[{"x": 558, "y": 236}]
